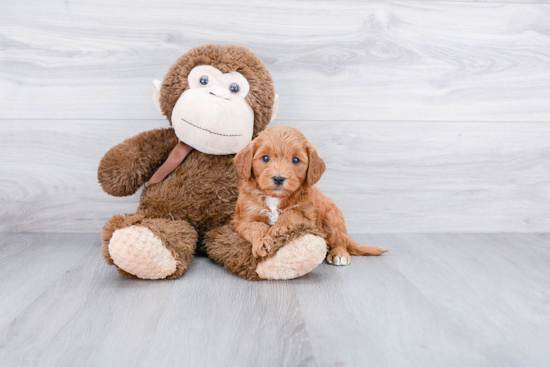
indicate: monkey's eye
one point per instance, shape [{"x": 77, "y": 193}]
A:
[
  {"x": 234, "y": 87},
  {"x": 203, "y": 80},
  {"x": 295, "y": 160},
  {"x": 265, "y": 158}
]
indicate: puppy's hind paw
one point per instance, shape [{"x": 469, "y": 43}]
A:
[
  {"x": 338, "y": 257},
  {"x": 338, "y": 261}
]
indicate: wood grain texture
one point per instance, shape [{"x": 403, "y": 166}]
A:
[
  {"x": 436, "y": 177},
  {"x": 431, "y": 115},
  {"x": 439, "y": 299},
  {"x": 464, "y": 299},
  {"x": 341, "y": 60},
  {"x": 385, "y": 176}
]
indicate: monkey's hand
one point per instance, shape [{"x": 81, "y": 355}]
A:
[{"x": 128, "y": 165}]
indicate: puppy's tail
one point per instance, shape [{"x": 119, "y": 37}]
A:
[{"x": 359, "y": 250}]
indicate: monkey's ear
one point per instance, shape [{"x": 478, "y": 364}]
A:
[
  {"x": 275, "y": 108},
  {"x": 316, "y": 166},
  {"x": 243, "y": 161},
  {"x": 156, "y": 94}
]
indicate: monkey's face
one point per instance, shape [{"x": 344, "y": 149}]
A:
[
  {"x": 217, "y": 97},
  {"x": 212, "y": 115}
]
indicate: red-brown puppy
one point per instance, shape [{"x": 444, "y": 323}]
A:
[{"x": 278, "y": 170}]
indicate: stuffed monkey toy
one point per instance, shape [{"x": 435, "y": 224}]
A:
[{"x": 217, "y": 99}]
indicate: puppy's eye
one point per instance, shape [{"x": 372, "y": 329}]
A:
[
  {"x": 203, "y": 80},
  {"x": 234, "y": 88},
  {"x": 265, "y": 158},
  {"x": 295, "y": 160}
]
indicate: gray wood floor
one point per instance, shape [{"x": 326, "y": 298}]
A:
[{"x": 439, "y": 299}]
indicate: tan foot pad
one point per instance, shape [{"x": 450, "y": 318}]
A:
[
  {"x": 138, "y": 251},
  {"x": 297, "y": 258}
]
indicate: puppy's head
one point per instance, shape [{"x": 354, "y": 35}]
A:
[{"x": 281, "y": 160}]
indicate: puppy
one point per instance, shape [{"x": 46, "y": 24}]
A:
[{"x": 277, "y": 196}]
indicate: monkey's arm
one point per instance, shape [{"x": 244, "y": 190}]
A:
[{"x": 128, "y": 165}]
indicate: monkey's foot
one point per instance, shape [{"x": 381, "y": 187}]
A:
[
  {"x": 139, "y": 252},
  {"x": 296, "y": 258}
]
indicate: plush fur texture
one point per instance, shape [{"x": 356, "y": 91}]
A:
[
  {"x": 282, "y": 164},
  {"x": 191, "y": 206},
  {"x": 130, "y": 164},
  {"x": 202, "y": 190}
]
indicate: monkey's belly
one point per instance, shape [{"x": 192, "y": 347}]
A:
[
  {"x": 215, "y": 207},
  {"x": 203, "y": 190}
]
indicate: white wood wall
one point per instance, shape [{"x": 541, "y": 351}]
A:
[{"x": 432, "y": 116}]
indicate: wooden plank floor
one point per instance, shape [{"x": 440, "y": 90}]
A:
[{"x": 440, "y": 299}]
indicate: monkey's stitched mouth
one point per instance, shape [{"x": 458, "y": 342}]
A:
[{"x": 211, "y": 132}]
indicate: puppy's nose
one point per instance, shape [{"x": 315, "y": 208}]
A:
[{"x": 278, "y": 180}]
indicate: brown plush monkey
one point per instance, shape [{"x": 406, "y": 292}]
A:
[{"x": 216, "y": 98}]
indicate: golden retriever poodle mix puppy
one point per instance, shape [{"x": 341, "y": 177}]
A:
[{"x": 277, "y": 196}]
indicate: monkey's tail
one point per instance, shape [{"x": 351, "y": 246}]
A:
[{"x": 359, "y": 250}]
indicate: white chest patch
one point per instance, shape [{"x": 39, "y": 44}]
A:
[{"x": 273, "y": 212}]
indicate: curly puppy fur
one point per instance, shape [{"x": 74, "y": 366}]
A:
[
  {"x": 200, "y": 195},
  {"x": 277, "y": 195}
]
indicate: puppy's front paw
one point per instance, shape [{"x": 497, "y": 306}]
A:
[
  {"x": 262, "y": 247},
  {"x": 277, "y": 231},
  {"x": 338, "y": 256}
]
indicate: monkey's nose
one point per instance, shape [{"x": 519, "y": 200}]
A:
[{"x": 219, "y": 92}]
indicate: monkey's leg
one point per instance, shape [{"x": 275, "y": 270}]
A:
[
  {"x": 148, "y": 248},
  {"x": 292, "y": 256}
]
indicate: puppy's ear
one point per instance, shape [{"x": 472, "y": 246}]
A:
[
  {"x": 243, "y": 160},
  {"x": 316, "y": 166}
]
